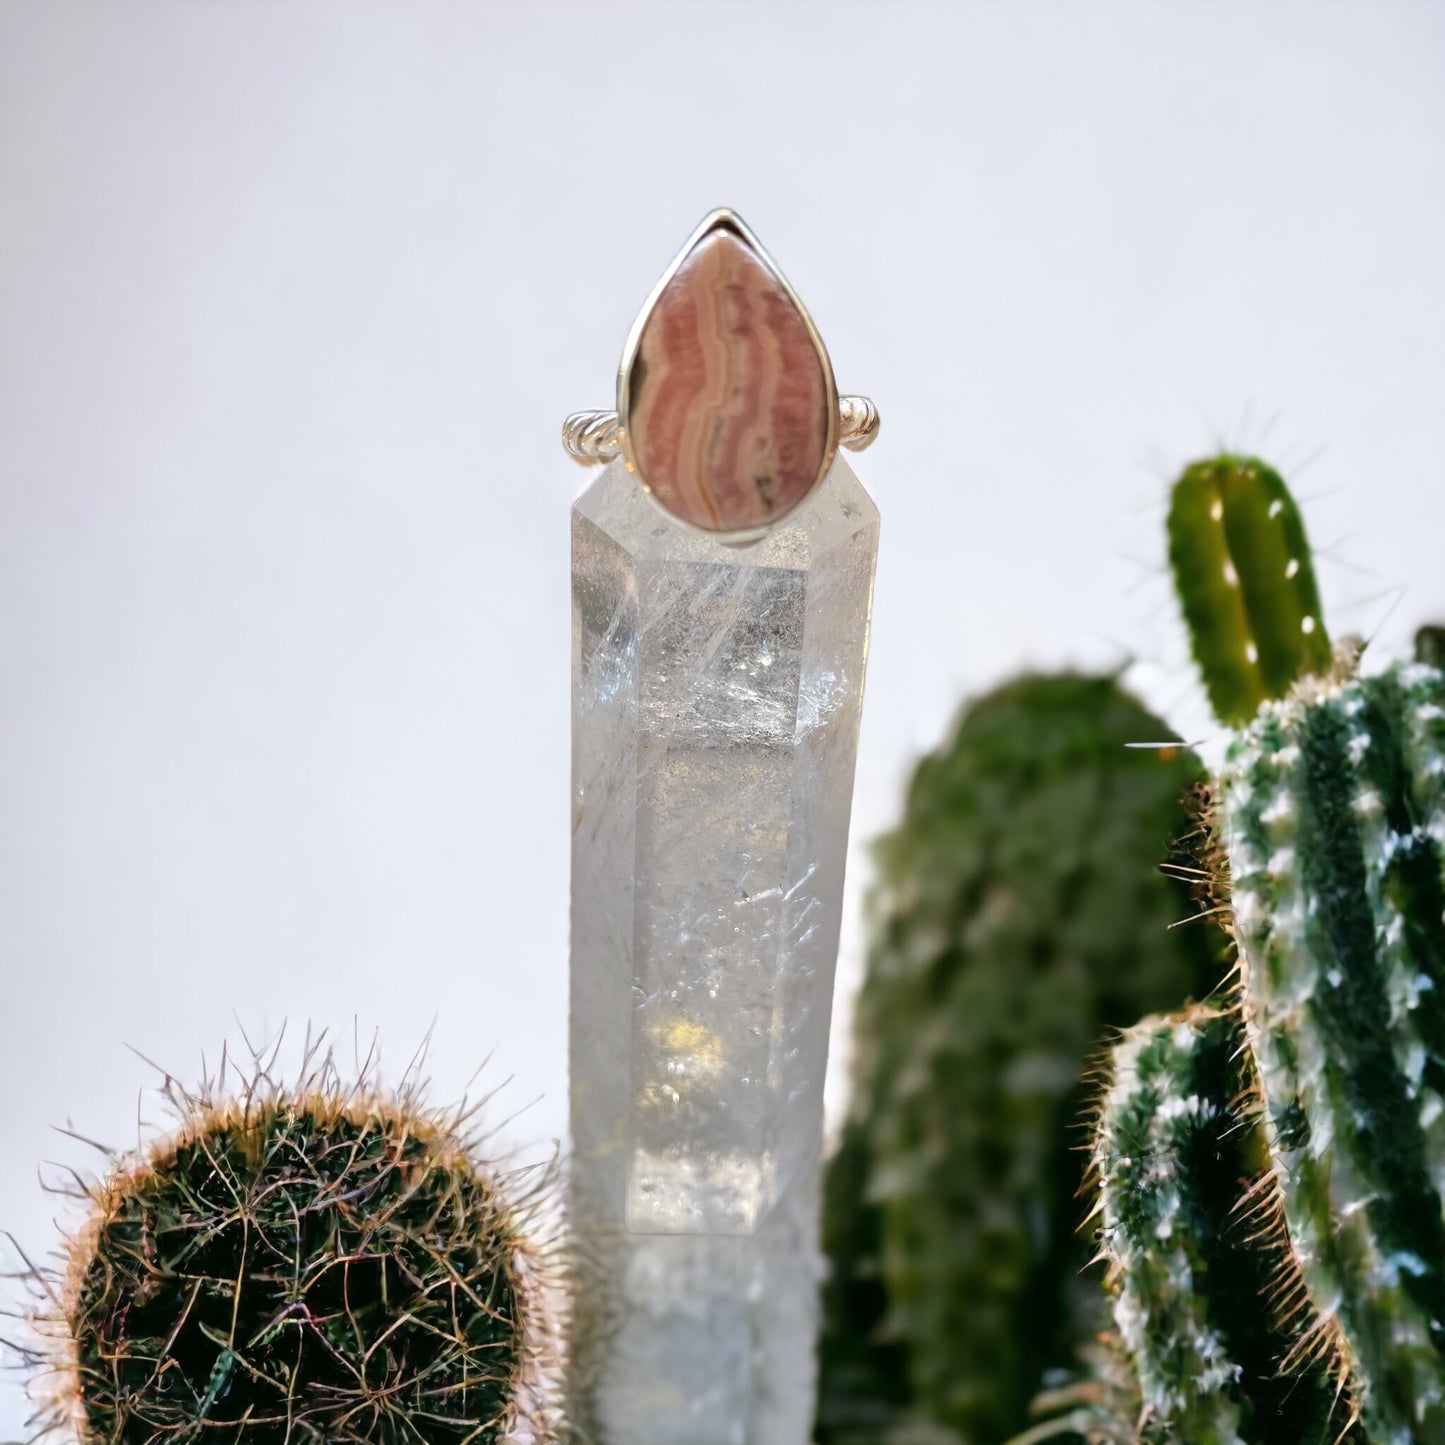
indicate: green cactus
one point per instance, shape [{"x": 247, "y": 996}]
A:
[
  {"x": 1330, "y": 821},
  {"x": 1246, "y": 581},
  {"x": 1331, "y": 805},
  {"x": 1430, "y": 646},
  {"x": 1196, "y": 1240},
  {"x": 316, "y": 1263},
  {"x": 1020, "y": 911}
]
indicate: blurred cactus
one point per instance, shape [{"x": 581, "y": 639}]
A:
[
  {"x": 311, "y": 1263},
  {"x": 1330, "y": 824},
  {"x": 1430, "y": 646},
  {"x": 1020, "y": 912}
]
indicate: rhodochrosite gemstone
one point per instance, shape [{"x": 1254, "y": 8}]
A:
[{"x": 729, "y": 396}]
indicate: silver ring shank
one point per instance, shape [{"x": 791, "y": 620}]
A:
[{"x": 595, "y": 436}]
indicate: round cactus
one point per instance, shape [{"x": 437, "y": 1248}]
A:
[
  {"x": 1020, "y": 912},
  {"x": 316, "y": 1263}
]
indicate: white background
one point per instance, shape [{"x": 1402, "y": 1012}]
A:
[{"x": 293, "y": 299}]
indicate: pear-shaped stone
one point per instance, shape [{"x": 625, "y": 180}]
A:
[{"x": 729, "y": 393}]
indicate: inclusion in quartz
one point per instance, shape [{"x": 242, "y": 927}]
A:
[
  {"x": 727, "y": 398},
  {"x": 716, "y": 701}
]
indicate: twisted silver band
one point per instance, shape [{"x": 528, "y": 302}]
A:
[{"x": 595, "y": 436}]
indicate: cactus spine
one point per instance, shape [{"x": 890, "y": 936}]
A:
[
  {"x": 317, "y": 1263},
  {"x": 1020, "y": 911},
  {"x": 1331, "y": 821}
]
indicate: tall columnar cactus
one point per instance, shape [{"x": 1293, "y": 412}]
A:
[
  {"x": 1020, "y": 911},
  {"x": 1330, "y": 822},
  {"x": 312, "y": 1263}
]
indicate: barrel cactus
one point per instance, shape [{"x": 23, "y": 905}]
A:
[
  {"x": 1020, "y": 911},
  {"x": 312, "y": 1263},
  {"x": 1329, "y": 823}
]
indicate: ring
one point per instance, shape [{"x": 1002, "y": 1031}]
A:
[{"x": 727, "y": 410}]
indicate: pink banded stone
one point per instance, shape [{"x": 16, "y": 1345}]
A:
[{"x": 728, "y": 392}]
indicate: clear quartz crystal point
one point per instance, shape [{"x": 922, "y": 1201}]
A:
[{"x": 716, "y": 698}]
